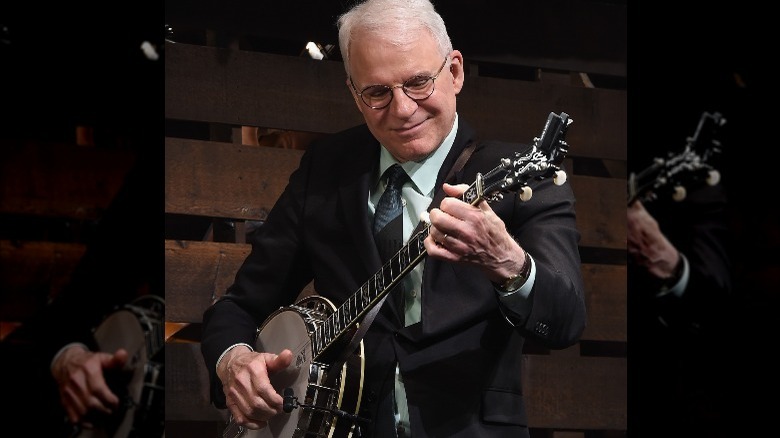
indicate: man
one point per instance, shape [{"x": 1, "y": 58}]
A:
[
  {"x": 443, "y": 355},
  {"x": 680, "y": 277}
]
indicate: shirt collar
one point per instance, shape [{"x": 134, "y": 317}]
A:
[{"x": 422, "y": 173}]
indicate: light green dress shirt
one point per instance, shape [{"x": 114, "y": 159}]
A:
[{"x": 417, "y": 195}]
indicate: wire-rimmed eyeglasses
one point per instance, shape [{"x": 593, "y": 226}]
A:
[{"x": 417, "y": 88}]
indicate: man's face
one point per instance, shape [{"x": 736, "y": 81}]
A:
[{"x": 409, "y": 129}]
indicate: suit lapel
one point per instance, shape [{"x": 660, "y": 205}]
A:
[
  {"x": 463, "y": 137},
  {"x": 354, "y": 185}
]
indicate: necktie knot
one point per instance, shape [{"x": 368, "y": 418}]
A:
[{"x": 396, "y": 176}]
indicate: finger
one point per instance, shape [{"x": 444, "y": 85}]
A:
[
  {"x": 76, "y": 387},
  {"x": 442, "y": 222},
  {"x": 455, "y": 190},
  {"x": 74, "y": 407},
  {"x": 262, "y": 411},
  {"x": 255, "y": 424},
  {"x": 274, "y": 364},
  {"x": 247, "y": 422},
  {"x": 455, "y": 249},
  {"x": 251, "y": 390},
  {"x": 105, "y": 399},
  {"x": 71, "y": 410},
  {"x": 268, "y": 401},
  {"x": 237, "y": 404},
  {"x": 279, "y": 362},
  {"x": 95, "y": 400},
  {"x": 454, "y": 204},
  {"x": 263, "y": 406},
  {"x": 240, "y": 390},
  {"x": 435, "y": 234},
  {"x": 117, "y": 360},
  {"x": 436, "y": 250},
  {"x": 95, "y": 404},
  {"x": 246, "y": 415},
  {"x": 116, "y": 363},
  {"x": 446, "y": 241},
  {"x": 241, "y": 419},
  {"x": 98, "y": 387},
  {"x": 109, "y": 363}
]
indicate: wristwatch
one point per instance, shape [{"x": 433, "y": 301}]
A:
[{"x": 516, "y": 281}]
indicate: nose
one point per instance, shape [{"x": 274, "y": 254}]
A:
[{"x": 401, "y": 103}]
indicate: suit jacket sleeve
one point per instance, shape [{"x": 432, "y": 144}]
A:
[{"x": 545, "y": 226}]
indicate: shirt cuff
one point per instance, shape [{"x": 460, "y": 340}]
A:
[
  {"x": 678, "y": 287},
  {"x": 62, "y": 350},
  {"x": 517, "y": 301},
  {"x": 525, "y": 289},
  {"x": 228, "y": 349}
]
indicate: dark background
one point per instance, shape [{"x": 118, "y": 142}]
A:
[
  {"x": 685, "y": 59},
  {"x": 74, "y": 63},
  {"x": 63, "y": 65},
  {"x": 69, "y": 63}
]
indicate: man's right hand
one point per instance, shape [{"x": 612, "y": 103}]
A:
[
  {"x": 647, "y": 245},
  {"x": 79, "y": 374},
  {"x": 250, "y": 397}
]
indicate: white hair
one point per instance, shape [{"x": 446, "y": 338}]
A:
[{"x": 397, "y": 21}]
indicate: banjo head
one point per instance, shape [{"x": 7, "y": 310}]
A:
[
  {"x": 287, "y": 329},
  {"x": 304, "y": 382},
  {"x": 122, "y": 329}
]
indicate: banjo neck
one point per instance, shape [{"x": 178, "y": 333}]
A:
[{"x": 370, "y": 293}]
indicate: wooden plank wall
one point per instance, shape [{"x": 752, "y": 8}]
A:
[
  {"x": 51, "y": 194},
  {"x": 570, "y": 392}
]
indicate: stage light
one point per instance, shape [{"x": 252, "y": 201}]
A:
[{"x": 315, "y": 51}]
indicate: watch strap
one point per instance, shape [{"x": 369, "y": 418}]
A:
[{"x": 516, "y": 281}]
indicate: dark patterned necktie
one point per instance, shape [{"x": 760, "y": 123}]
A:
[{"x": 388, "y": 222}]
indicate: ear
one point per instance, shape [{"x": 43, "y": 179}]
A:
[
  {"x": 456, "y": 69},
  {"x": 355, "y": 97}
]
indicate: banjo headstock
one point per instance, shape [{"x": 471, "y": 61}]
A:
[
  {"x": 676, "y": 172},
  {"x": 542, "y": 160}
]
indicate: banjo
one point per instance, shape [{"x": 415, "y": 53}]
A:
[
  {"x": 138, "y": 327},
  {"x": 669, "y": 176},
  {"x": 322, "y": 386}
]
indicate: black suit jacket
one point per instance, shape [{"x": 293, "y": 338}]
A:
[{"x": 462, "y": 363}]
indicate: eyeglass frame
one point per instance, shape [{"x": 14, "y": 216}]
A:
[{"x": 401, "y": 86}]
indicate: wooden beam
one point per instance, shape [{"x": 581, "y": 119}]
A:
[
  {"x": 60, "y": 180},
  {"x": 575, "y": 392},
  {"x": 237, "y": 87},
  {"x": 33, "y": 272}
]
